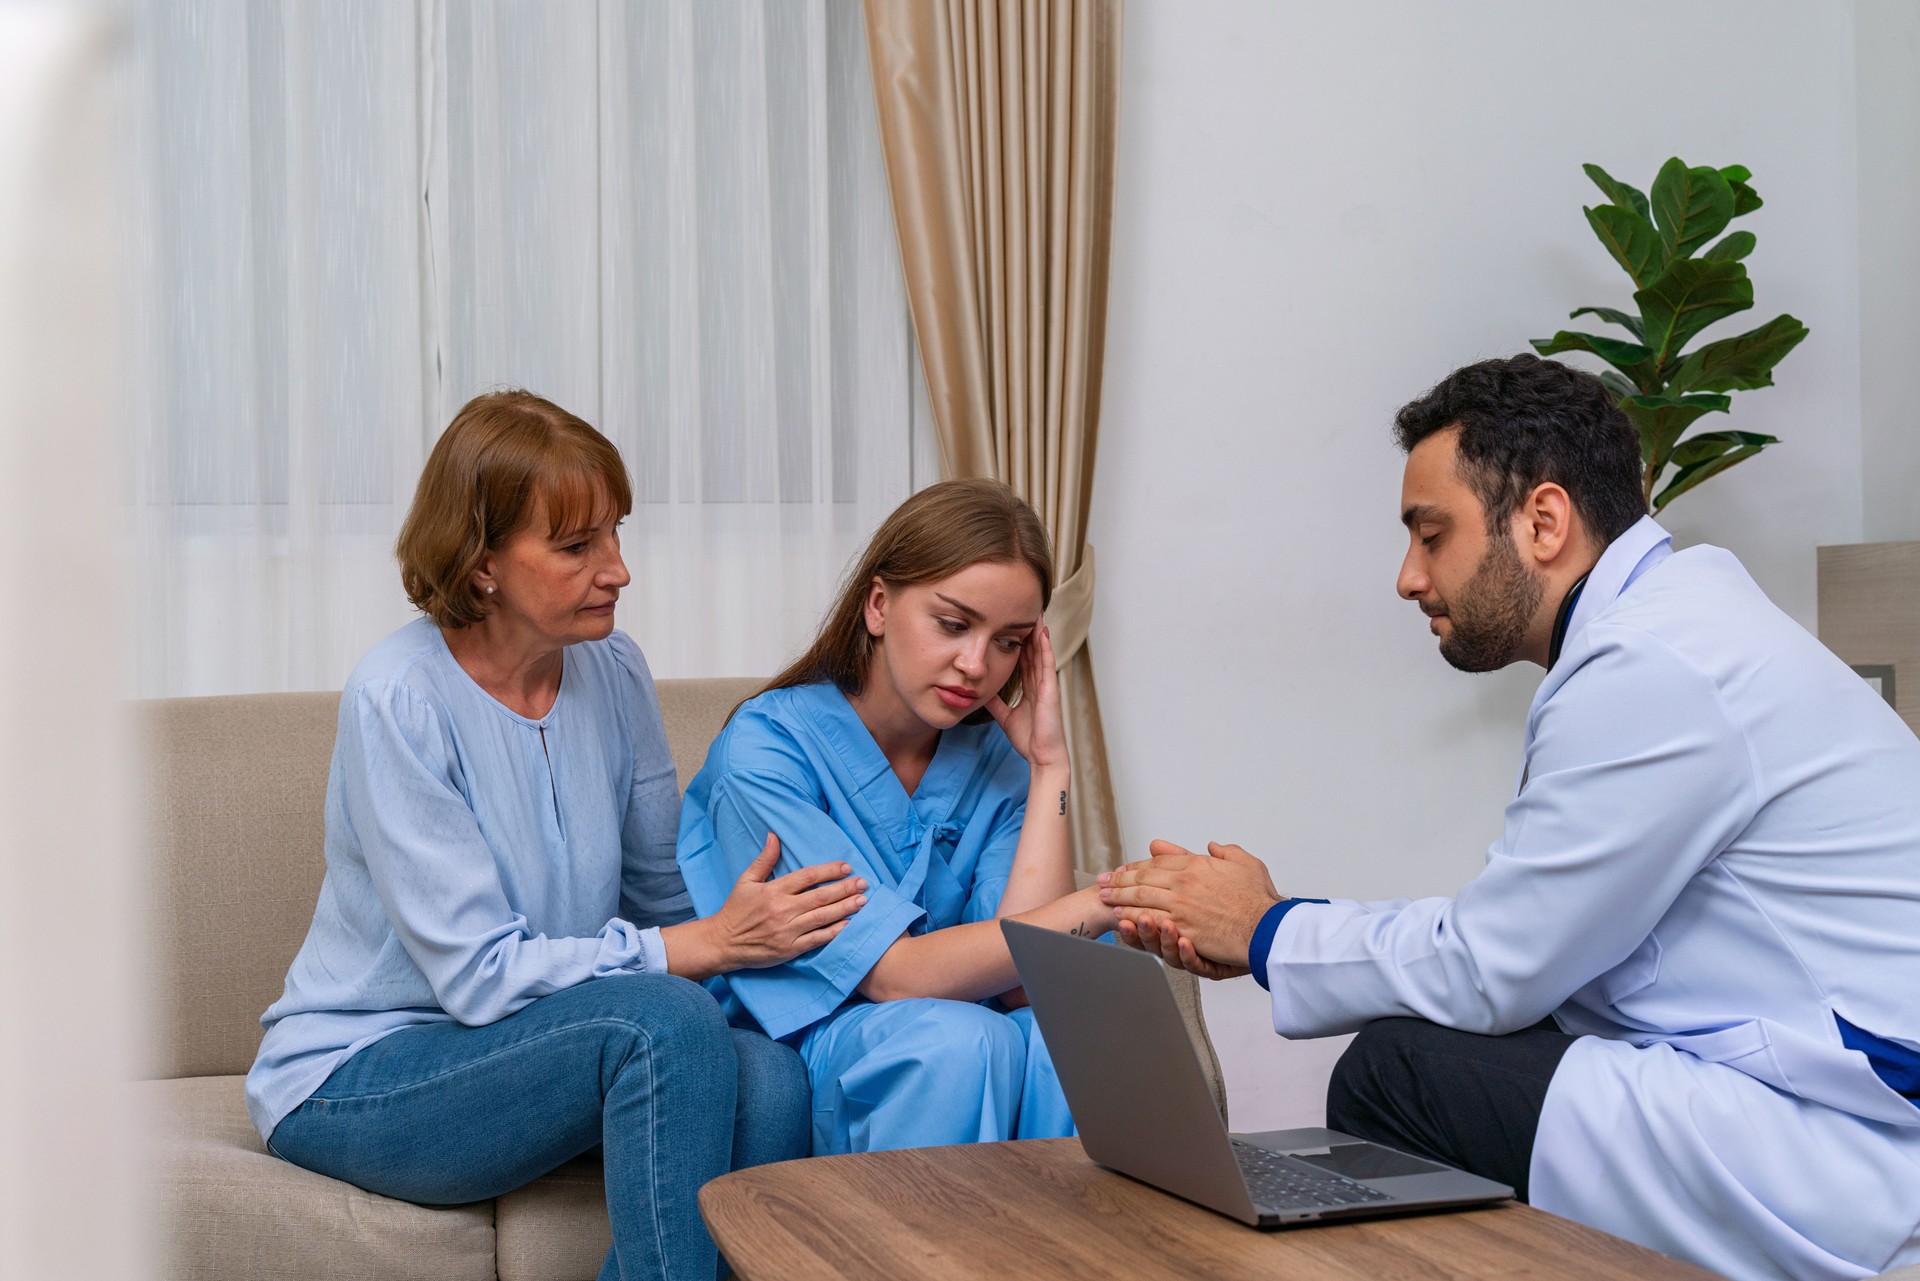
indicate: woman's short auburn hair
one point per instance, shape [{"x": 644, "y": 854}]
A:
[{"x": 503, "y": 455}]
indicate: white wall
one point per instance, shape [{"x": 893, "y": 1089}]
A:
[{"x": 1323, "y": 209}]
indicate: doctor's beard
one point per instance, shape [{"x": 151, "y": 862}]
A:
[{"x": 1491, "y": 614}]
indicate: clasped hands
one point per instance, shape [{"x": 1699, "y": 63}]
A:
[{"x": 1196, "y": 912}]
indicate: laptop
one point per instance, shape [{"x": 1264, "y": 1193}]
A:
[{"x": 1140, "y": 1099}]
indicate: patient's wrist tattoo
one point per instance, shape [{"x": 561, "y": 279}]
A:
[
  {"x": 1063, "y": 802},
  {"x": 1080, "y": 929}
]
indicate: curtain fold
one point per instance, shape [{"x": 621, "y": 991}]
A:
[{"x": 998, "y": 119}]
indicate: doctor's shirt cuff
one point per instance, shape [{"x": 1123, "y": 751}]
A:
[{"x": 1262, "y": 944}]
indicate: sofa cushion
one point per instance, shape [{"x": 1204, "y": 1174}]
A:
[
  {"x": 694, "y": 712},
  {"x": 555, "y": 1228},
  {"x": 229, "y": 1210}
]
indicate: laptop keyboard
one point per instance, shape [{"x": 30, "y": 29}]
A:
[{"x": 1277, "y": 1183}]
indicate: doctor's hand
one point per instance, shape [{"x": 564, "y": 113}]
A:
[
  {"x": 1156, "y": 934},
  {"x": 766, "y": 921},
  {"x": 1211, "y": 903}
]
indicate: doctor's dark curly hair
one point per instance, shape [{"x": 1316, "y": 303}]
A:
[{"x": 1525, "y": 421}]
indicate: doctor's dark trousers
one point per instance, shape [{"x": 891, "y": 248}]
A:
[{"x": 1467, "y": 1100}]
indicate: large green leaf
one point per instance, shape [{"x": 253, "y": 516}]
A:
[
  {"x": 1616, "y": 382},
  {"x": 1619, "y": 192},
  {"x": 1690, "y": 295},
  {"x": 1625, "y": 319},
  {"x": 1662, "y": 419},
  {"x": 1633, "y": 360},
  {"x": 1736, "y": 173},
  {"x": 1735, "y": 246},
  {"x": 1717, "y": 451},
  {"x": 1745, "y": 198},
  {"x": 1690, "y": 206},
  {"x": 1630, "y": 238},
  {"x": 1740, "y": 363},
  {"x": 1709, "y": 445}
]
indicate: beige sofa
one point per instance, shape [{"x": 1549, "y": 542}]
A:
[{"x": 234, "y": 793}]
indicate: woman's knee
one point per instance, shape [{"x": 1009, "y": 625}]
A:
[
  {"x": 773, "y": 1103},
  {"x": 660, "y": 1014},
  {"x": 772, "y": 1077}
]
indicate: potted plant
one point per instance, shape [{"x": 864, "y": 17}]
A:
[{"x": 1663, "y": 388}]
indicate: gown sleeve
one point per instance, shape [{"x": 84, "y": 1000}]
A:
[
  {"x": 1009, "y": 790},
  {"x": 741, "y": 808},
  {"x": 1637, "y": 778},
  {"x": 436, "y": 877}
]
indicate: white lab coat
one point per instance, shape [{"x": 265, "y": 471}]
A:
[{"x": 1714, "y": 848}]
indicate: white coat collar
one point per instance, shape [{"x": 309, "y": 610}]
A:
[{"x": 1644, "y": 545}]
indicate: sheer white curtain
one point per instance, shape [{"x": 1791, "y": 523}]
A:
[{"x": 669, "y": 216}]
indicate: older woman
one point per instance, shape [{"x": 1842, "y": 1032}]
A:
[{"x": 503, "y": 969}]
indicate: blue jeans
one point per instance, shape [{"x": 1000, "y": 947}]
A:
[{"x": 643, "y": 1066}]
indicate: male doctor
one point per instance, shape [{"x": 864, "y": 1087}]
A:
[{"x": 1682, "y": 1000}]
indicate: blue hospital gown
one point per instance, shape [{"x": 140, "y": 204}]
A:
[{"x": 906, "y": 1073}]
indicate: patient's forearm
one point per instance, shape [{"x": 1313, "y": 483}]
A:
[
  {"x": 971, "y": 962},
  {"x": 1043, "y": 860}
]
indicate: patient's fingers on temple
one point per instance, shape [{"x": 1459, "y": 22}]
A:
[{"x": 1044, "y": 674}]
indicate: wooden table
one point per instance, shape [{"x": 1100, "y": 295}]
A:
[{"x": 1041, "y": 1209}]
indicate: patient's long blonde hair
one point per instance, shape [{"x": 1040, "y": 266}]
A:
[{"x": 935, "y": 534}]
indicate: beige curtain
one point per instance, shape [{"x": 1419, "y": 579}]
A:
[{"x": 998, "y": 120}]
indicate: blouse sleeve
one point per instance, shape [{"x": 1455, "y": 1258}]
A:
[
  {"x": 743, "y": 806},
  {"x": 652, "y": 892},
  {"x": 435, "y": 875}
]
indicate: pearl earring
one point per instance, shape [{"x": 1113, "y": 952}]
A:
[{"x": 489, "y": 591}]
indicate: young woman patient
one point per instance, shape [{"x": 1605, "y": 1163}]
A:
[{"x": 920, "y": 741}]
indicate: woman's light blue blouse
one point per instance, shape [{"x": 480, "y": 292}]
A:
[
  {"x": 476, "y": 859},
  {"x": 799, "y": 762}
]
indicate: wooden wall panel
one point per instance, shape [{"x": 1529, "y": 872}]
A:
[{"x": 1870, "y": 613}]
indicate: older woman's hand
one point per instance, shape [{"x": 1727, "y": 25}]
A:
[{"x": 764, "y": 922}]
